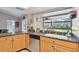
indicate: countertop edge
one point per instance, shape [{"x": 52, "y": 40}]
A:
[
  {"x": 41, "y": 35},
  {"x": 62, "y": 39},
  {"x": 9, "y": 34}
]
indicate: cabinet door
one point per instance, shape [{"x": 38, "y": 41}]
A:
[
  {"x": 46, "y": 47},
  {"x": 22, "y": 41},
  {"x": 18, "y": 42},
  {"x": 6, "y": 44},
  {"x": 47, "y": 44},
  {"x": 27, "y": 40}
]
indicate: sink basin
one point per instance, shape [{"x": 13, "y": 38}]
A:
[{"x": 57, "y": 36}]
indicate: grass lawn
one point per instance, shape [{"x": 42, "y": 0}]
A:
[{"x": 62, "y": 30}]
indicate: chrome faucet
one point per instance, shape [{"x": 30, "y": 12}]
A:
[{"x": 68, "y": 35}]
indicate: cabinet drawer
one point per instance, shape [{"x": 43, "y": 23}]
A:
[
  {"x": 64, "y": 49},
  {"x": 47, "y": 39},
  {"x": 66, "y": 44}
]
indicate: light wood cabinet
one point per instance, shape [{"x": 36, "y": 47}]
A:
[
  {"x": 58, "y": 49},
  {"x": 54, "y": 45},
  {"x": 63, "y": 49},
  {"x": 14, "y": 43},
  {"x": 17, "y": 44},
  {"x": 27, "y": 40},
  {"x": 5, "y": 44},
  {"x": 70, "y": 45},
  {"x": 20, "y": 41},
  {"x": 46, "y": 45}
]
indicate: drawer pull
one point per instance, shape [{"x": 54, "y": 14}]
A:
[
  {"x": 12, "y": 40},
  {"x": 53, "y": 46},
  {"x": 53, "y": 41},
  {"x": 6, "y": 39}
]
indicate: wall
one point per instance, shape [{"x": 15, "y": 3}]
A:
[
  {"x": 34, "y": 23},
  {"x": 75, "y": 24},
  {"x": 4, "y": 18},
  {"x": 39, "y": 24}
]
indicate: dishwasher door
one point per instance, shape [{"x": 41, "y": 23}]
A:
[{"x": 34, "y": 44}]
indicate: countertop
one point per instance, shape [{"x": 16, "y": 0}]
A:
[
  {"x": 71, "y": 39},
  {"x": 35, "y": 33},
  {"x": 10, "y": 34}
]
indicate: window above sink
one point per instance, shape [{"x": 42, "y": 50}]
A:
[{"x": 58, "y": 24}]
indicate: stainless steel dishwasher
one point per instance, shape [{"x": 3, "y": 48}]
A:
[{"x": 34, "y": 43}]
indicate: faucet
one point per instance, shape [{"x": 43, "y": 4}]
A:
[{"x": 68, "y": 35}]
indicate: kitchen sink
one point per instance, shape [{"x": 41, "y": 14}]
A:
[{"x": 57, "y": 36}]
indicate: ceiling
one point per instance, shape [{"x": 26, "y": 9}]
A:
[
  {"x": 33, "y": 10},
  {"x": 19, "y": 11},
  {"x": 12, "y": 11}
]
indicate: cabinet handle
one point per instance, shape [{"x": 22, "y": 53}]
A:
[
  {"x": 6, "y": 39},
  {"x": 53, "y": 41},
  {"x": 53, "y": 46},
  {"x": 12, "y": 40}
]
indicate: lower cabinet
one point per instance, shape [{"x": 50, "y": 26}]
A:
[
  {"x": 17, "y": 43},
  {"x": 14, "y": 43},
  {"x": 6, "y": 44},
  {"x": 20, "y": 41},
  {"x": 54, "y": 45},
  {"x": 27, "y": 40},
  {"x": 63, "y": 49},
  {"x": 46, "y": 47}
]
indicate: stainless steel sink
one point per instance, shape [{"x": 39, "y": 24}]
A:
[{"x": 57, "y": 36}]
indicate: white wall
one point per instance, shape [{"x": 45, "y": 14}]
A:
[
  {"x": 38, "y": 24},
  {"x": 75, "y": 24},
  {"x": 4, "y": 18},
  {"x": 35, "y": 24}
]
